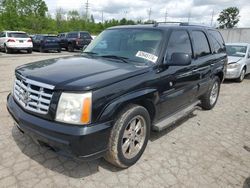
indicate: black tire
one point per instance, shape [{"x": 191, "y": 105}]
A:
[
  {"x": 242, "y": 75},
  {"x": 29, "y": 51},
  {"x": 7, "y": 50},
  {"x": 206, "y": 102},
  {"x": 70, "y": 48},
  {"x": 59, "y": 50},
  {"x": 115, "y": 154}
]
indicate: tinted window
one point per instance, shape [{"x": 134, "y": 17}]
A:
[
  {"x": 201, "y": 46},
  {"x": 18, "y": 35},
  {"x": 217, "y": 41},
  {"x": 2, "y": 34},
  {"x": 73, "y": 35},
  {"x": 179, "y": 42},
  {"x": 50, "y": 37},
  {"x": 85, "y": 36}
]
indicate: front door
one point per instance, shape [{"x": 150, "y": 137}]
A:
[{"x": 178, "y": 86}]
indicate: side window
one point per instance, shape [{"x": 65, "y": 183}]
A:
[
  {"x": 201, "y": 46},
  {"x": 179, "y": 42},
  {"x": 3, "y": 34},
  {"x": 217, "y": 40}
]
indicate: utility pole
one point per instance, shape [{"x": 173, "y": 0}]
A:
[
  {"x": 212, "y": 18},
  {"x": 102, "y": 16},
  {"x": 149, "y": 14},
  {"x": 189, "y": 15},
  {"x": 87, "y": 10},
  {"x": 166, "y": 15}
]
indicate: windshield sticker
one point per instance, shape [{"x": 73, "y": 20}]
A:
[{"x": 147, "y": 56}]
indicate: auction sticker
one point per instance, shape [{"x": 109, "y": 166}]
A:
[{"x": 147, "y": 56}]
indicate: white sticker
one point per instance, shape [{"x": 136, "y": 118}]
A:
[{"x": 147, "y": 56}]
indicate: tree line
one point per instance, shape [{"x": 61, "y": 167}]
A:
[{"x": 33, "y": 17}]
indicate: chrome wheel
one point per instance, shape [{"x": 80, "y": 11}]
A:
[
  {"x": 242, "y": 75},
  {"x": 214, "y": 93},
  {"x": 134, "y": 137}
]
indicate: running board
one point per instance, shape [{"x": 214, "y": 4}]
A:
[{"x": 170, "y": 120}]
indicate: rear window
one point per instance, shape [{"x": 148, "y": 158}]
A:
[
  {"x": 85, "y": 36},
  {"x": 217, "y": 40},
  {"x": 18, "y": 35},
  {"x": 72, "y": 35},
  {"x": 50, "y": 37},
  {"x": 201, "y": 46}
]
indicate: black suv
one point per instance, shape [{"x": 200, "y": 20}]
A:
[
  {"x": 128, "y": 81},
  {"x": 74, "y": 40},
  {"x": 44, "y": 43}
]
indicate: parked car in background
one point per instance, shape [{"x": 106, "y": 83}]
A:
[
  {"x": 14, "y": 41},
  {"x": 75, "y": 40},
  {"x": 238, "y": 61},
  {"x": 44, "y": 43}
]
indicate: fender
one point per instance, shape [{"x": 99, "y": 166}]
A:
[{"x": 110, "y": 110}]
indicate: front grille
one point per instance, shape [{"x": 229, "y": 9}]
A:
[{"x": 32, "y": 95}]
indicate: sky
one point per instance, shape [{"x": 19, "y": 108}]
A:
[{"x": 196, "y": 11}]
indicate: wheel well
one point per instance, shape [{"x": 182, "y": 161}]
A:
[
  {"x": 220, "y": 75},
  {"x": 146, "y": 103},
  {"x": 245, "y": 67}
]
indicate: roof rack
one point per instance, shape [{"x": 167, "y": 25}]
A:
[{"x": 156, "y": 24}]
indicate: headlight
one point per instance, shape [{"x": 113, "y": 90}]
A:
[
  {"x": 74, "y": 108},
  {"x": 233, "y": 65}
]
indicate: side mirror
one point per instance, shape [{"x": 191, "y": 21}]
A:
[{"x": 179, "y": 59}]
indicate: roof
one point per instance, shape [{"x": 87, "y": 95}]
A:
[
  {"x": 15, "y": 31},
  {"x": 161, "y": 25},
  {"x": 238, "y": 44}
]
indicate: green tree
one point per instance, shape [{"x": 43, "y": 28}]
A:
[{"x": 229, "y": 17}]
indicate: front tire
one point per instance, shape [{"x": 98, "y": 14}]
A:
[
  {"x": 209, "y": 99},
  {"x": 242, "y": 75},
  {"x": 129, "y": 136}
]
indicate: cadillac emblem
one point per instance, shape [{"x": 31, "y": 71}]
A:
[{"x": 25, "y": 96}]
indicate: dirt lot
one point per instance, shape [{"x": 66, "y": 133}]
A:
[{"x": 210, "y": 149}]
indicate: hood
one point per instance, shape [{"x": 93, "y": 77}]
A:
[
  {"x": 79, "y": 73},
  {"x": 233, "y": 59}
]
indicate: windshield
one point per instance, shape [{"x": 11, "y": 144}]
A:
[
  {"x": 235, "y": 50},
  {"x": 136, "y": 45},
  {"x": 18, "y": 35}
]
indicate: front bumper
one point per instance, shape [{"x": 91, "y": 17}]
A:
[
  {"x": 84, "y": 142},
  {"x": 233, "y": 73}
]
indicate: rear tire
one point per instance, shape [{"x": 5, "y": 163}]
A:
[
  {"x": 209, "y": 99},
  {"x": 29, "y": 51},
  {"x": 7, "y": 50},
  {"x": 59, "y": 50},
  {"x": 129, "y": 136},
  {"x": 70, "y": 48},
  {"x": 41, "y": 50},
  {"x": 242, "y": 75}
]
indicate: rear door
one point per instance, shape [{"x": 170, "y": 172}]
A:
[
  {"x": 178, "y": 85},
  {"x": 204, "y": 59}
]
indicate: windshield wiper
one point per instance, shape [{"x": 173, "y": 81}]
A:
[
  {"x": 90, "y": 53},
  {"x": 123, "y": 59}
]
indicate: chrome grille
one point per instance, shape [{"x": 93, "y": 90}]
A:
[{"x": 32, "y": 95}]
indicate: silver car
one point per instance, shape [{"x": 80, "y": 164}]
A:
[{"x": 238, "y": 60}]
